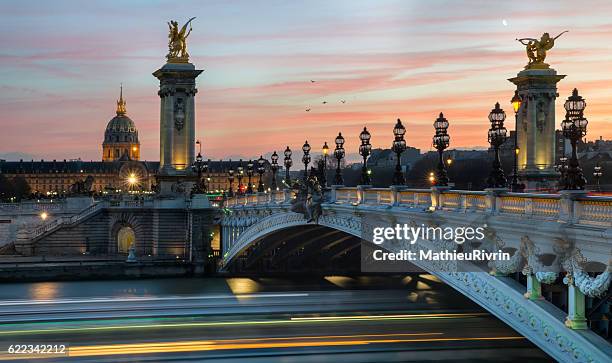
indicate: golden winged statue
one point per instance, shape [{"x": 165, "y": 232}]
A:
[
  {"x": 177, "y": 42},
  {"x": 536, "y": 50}
]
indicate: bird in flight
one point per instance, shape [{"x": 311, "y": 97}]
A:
[
  {"x": 308, "y": 109},
  {"x": 343, "y": 101},
  {"x": 324, "y": 102},
  {"x": 312, "y": 81}
]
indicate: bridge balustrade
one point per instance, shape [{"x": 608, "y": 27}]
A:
[{"x": 582, "y": 209}]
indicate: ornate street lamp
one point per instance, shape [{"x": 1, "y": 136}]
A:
[
  {"x": 597, "y": 173},
  {"x": 261, "y": 169},
  {"x": 516, "y": 102},
  {"x": 441, "y": 141},
  {"x": 230, "y": 178},
  {"x": 240, "y": 174},
  {"x": 574, "y": 128},
  {"x": 497, "y": 136},
  {"x": 339, "y": 154},
  {"x": 364, "y": 151},
  {"x": 398, "y": 147},
  {"x": 208, "y": 163},
  {"x": 250, "y": 175},
  {"x": 323, "y": 172},
  {"x": 274, "y": 167},
  {"x": 288, "y": 164},
  {"x": 199, "y": 166},
  {"x": 306, "y": 158}
]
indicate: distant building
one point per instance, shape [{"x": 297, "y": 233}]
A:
[
  {"x": 120, "y": 168},
  {"x": 563, "y": 146},
  {"x": 458, "y": 154},
  {"x": 387, "y": 158},
  {"x": 598, "y": 148},
  {"x": 121, "y": 136}
]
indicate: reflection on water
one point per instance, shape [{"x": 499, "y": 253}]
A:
[
  {"x": 43, "y": 291},
  {"x": 241, "y": 286},
  {"x": 417, "y": 288},
  {"x": 340, "y": 281}
]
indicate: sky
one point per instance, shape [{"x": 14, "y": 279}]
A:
[{"x": 61, "y": 64}]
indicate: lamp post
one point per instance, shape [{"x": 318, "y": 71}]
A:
[
  {"x": 230, "y": 178},
  {"x": 516, "y": 102},
  {"x": 325, "y": 151},
  {"x": 207, "y": 185},
  {"x": 339, "y": 154},
  {"x": 364, "y": 151},
  {"x": 250, "y": 176},
  {"x": 398, "y": 147},
  {"x": 440, "y": 142},
  {"x": 306, "y": 158},
  {"x": 597, "y": 173},
  {"x": 497, "y": 136},
  {"x": 274, "y": 168},
  {"x": 574, "y": 128},
  {"x": 288, "y": 163},
  {"x": 261, "y": 169},
  {"x": 240, "y": 175},
  {"x": 199, "y": 166}
]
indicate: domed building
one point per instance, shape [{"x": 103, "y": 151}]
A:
[
  {"x": 120, "y": 169},
  {"x": 121, "y": 136}
]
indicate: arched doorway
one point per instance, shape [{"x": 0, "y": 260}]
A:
[{"x": 125, "y": 238}]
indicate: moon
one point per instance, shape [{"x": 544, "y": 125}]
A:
[{"x": 504, "y": 22}]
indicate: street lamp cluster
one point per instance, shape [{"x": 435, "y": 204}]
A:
[
  {"x": 574, "y": 128},
  {"x": 364, "y": 150},
  {"x": 572, "y": 178},
  {"x": 497, "y": 136},
  {"x": 441, "y": 141},
  {"x": 339, "y": 155},
  {"x": 398, "y": 147},
  {"x": 516, "y": 102}
]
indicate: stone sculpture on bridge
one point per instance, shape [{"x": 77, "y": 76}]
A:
[
  {"x": 177, "y": 42},
  {"x": 536, "y": 49},
  {"x": 308, "y": 198}
]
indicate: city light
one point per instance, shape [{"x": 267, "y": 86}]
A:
[
  {"x": 44, "y": 216},
  {"x": 132, "y": 179}
]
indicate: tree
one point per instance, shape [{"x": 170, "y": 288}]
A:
[
  {"x": 6, "y": 188},
  {"x": 21, "y": 188}
]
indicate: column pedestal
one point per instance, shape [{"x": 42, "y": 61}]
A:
[
  {"x": 177, "y": 89},
  {"x": 536, "y": 127}
]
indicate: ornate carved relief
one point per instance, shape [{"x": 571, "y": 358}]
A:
[{"x": 179, "y": 113}]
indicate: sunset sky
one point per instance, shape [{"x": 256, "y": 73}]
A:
[{"x": 61, "y": 63}]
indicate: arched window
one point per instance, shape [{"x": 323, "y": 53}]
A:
[{"x": 125, "y": 238}]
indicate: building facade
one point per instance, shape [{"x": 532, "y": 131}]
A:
[{"x": 119, "y": 170}]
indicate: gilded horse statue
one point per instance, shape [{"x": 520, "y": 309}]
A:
[
  {"x": 177, "y": 42},
  {"x": 536, "y": 49}
]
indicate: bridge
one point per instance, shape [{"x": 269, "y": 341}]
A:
[{"x": 556, "y": 280}]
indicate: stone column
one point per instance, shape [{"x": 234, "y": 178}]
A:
[
  {"x": 177, "y": 120},
  {"x": 530, "y": 148},
  {"x": 534, "y": 287},
  {"x": 576, "y": 318},
  {"x": 538, "y": 90},
  {"x": 191, "y": 129},
  {"x": 166, "y": 132}
]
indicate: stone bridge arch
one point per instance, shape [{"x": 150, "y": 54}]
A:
[{"x": 539, "y": 321}]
